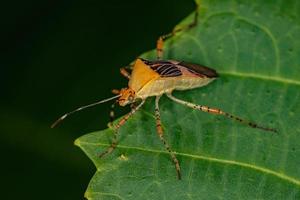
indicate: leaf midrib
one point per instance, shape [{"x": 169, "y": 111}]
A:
[
  {"x": 282, "y": 176},
  {"x": 262, "y": 77}
]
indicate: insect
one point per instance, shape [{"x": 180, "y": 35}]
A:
[{"x": 156, "y": 78}]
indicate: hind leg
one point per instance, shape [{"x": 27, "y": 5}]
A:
[{"x": 219, "y": 112}]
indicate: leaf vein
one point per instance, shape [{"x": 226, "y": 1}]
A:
[
  {"x": 263, "y": 77},
  {"x": 211, "y": 159}
]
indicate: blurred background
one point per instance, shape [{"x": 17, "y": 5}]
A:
[{"x": 56, "y": 56}]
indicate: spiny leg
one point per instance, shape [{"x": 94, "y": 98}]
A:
[
  {"x": 133, "y": 105},
  {"x": 161, "y": 39},
  {"x": 112, "y": 109},
  {"x": 161, "y": 137},
  {"x": 112, "y": 112},
  {"x": 117, "y": 127},
  {"x": 111, "y": 115},
  {"x": 219, "y": 112}
]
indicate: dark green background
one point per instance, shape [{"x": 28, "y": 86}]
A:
[{"x": 55, "y": 56}]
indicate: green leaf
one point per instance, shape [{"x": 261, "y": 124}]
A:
[{"x": 255, "y": 47}]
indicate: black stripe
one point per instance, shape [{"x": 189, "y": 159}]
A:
[
  {"x": 163, "y": 68},
  {"x": 199, "y": 69}
]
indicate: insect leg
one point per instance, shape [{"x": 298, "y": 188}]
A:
[
  {"x": 111, "y": 115},
  {"x": 161, "y": 39},
  {"x": 161, "y": 137},
  {"x": 219, "y": 112},
  {"x": 117, "y": 127},
  {"x": 133, "y": 105},
  {"x": 124, "y": 72},
  {"x": 115, "y": 91}
]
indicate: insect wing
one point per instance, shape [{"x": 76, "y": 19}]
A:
[
  {"x": 199, "y": 70},
  {"x": 164, "y": 68}
]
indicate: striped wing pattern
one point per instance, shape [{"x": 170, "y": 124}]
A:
[
  {"x": 164, "y": 68},
  {"x": 170, "y": 68}
]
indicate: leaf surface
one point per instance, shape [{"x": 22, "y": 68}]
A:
[{"x": 255, "y": 47}]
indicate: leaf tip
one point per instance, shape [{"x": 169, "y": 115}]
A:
[
  {"x": 87, "y": 194},
  {"x": 77, "y": 142}
]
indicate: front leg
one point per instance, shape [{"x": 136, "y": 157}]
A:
[
  {"x": 117, "y": 127},
  {"x": 124, "y": 72}
]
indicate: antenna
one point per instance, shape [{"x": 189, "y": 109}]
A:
[{"x": 82, "y": 108}]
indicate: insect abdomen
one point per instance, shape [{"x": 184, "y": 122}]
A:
[{"x": 165, "y": 85}]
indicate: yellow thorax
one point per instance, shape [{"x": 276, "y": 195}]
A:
[{"x": 141, "y": 75}]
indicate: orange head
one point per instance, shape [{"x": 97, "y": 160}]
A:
[{"x": 127, "y": 96}]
